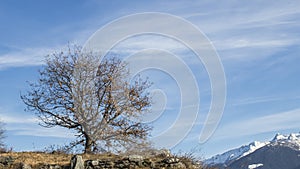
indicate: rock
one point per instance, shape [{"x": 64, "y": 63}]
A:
[
  {"x": 149, "y": 162},
  {"x": 77, "y": 162},
  {"x": 179, "y": 165},
  {"x": 55, "y": 167},
  {"x": 135, "y": 158},
  {"x": 48, "y": 166},
  {"x": 95, "y": 162},
  {"x": 26, "y": 166},
  {"x": 171, "y": 160}
]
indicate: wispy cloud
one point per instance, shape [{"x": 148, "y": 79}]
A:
[
  {"x": 262, "y": 124},
  {"x": 237, "y": 43},
  {"x": 246, "y": 15},
  {"x": 24, "y": 57},
  {"x": 28, "y": 125},
  {"x": 17, "y": 119},
  {"x": 226, "y": 31},
  {"x": 248, "y": 28},
  {"x": 262, "y": 99},
  {"x": 43, "y": 132}
]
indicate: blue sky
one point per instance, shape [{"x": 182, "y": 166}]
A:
[{"x": 257, "y": 42}]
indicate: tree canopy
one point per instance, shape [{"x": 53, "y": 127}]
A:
[{"x": 95, "y": 98}]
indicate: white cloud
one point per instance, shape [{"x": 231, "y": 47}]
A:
[
  {"x": 252, "y": 43},
  {"x": 35, "y": 130},
  {"x": 222, "y": 30},
  {"x": 248, "y": 27},
  {"x": 262, "y": 99},
  {"x": 28, "y": 125},
  {"x": 24, "y": 57},
  {"x": 17, "y": 119},
  {"x": 262, "y": 124},
  {"x": 229, "y": 29},
  {"x": 245, "y": 15}
]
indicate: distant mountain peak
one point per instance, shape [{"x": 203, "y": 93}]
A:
[
  {"x": 292, "y": 140},
  {"x": 291, "y": 137},
  {"x": 278, "y": 136}
]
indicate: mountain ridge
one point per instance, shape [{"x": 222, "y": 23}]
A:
[{"x": 287, "y": 143}]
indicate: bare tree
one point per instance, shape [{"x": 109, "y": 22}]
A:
[{"x": 96, "y": 99}]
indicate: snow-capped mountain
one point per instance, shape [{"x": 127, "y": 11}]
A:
[
  {"x": 292, "y": 140},
  {"x": 283, "y": 144},
  {"x": 235, "y": 153}
]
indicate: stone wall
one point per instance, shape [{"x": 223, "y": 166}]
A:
[{"x": 135, "y": 162}]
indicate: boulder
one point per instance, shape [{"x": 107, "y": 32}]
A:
[
  {"x": 135, "y": 158},
  {"x": 77, "y": 162},
  {"x": 26, "y": 166},
  {"x": 171, "y": 160}
]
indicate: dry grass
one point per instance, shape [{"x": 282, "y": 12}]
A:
[{"x": 35, "y": 158}]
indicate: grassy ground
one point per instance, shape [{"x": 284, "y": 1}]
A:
[{"x": 34, "y": 158}]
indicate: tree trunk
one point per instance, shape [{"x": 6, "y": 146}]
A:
[{"x": 88, "y": 144}]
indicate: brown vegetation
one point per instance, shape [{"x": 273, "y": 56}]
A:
[{"x": 36, "y": 158}]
